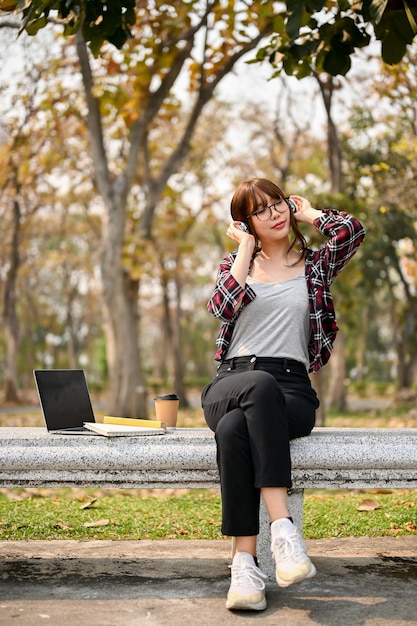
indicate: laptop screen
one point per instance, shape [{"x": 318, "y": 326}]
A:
[{"x": 64, "y": 398}]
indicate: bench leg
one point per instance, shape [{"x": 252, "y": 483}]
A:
[{"x": 295, "y": 505}]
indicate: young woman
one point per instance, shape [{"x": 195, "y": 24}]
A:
[{"x": 278, "y": 323}]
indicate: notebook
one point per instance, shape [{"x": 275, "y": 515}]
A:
[
  {"x": 65, "y": 401},
  {"x": 120, "y": 430}
]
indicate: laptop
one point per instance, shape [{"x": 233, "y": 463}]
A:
[{"x": 65, "y": 401}]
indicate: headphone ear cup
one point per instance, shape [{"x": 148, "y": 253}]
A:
[{"x": 292, "y": 205}]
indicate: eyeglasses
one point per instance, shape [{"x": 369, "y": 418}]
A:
[{"x": 265, "y": 213}]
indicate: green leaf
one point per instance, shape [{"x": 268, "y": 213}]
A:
[
  {"x": 304, "y": 69},
  {"x": 312, "y": 6},
  {"x": 289, "y": 64},
  {"x": 118, "y": 38},
  {"x": 96, "y": 41},
  {"x": 35, "y": 25},
  {"x": 71, "y": 27},
  {"x": 410, "y": 17},
  {"x": 393, "y": 49},
  {"x": 395, "y": 33},
  {"x": 336, "y": 61},
  {"x": 344, "y": 33},
  {"x": 298, "y": 17},
  {"x": 376, "y": 9},
  {"x": 293, "y": 22},
  {"x": 22, "y": 4}
]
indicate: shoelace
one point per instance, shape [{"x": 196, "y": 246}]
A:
[
  {"x": 244, "y": 575},
  {"x": 290, "y": 546}
]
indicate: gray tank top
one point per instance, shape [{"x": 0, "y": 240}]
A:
[{"x": 276, "y": 323}]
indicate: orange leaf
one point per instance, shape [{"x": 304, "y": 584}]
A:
[
  {"x": 100, "y": 522},
  {"x": 368, "y": 505},
  {"x": 62, "y": 526},
  {"x": 89, "y": 504}
]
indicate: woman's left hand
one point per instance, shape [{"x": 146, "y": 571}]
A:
[
  {"x": 305, "y": 212},
  {"x": 301, "y": 203}
]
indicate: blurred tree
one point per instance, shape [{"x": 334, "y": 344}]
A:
[
  {"x": 173, "y": 41},
  {"x": 174, "y": 257},
  {"x": 319, "y": 35},
  {"x": 132, "y": 174},
  {"x": 47, "y": 263},
  {"x": 322, "y": 35},
  {"x": 16, "y": 178},
  {"x": 128, "y": 94},
  {"x": 282, "y": 139},
  {"x": 382, "y": 146}
]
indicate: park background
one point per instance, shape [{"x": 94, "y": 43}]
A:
[
  {"x": 117, "y": 165},
  {"x": 116, "y": 177}
]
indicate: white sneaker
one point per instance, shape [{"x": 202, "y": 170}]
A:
[
  {"x": 292, "y": 564},
  {"x": 247, "y": 589}
]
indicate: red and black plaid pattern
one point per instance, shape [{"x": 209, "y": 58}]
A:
[{"x": 345, "y": 233}]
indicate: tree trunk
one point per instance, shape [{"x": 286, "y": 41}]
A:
[
  {"x": 127, "y": 393},
  {"x": 10, "y": 319},
  {"x": 179, "y": 365},
  {"x": 406, "y": 335},
  {"x": 337, "y": 365},
  {"x": 126, "y": 383},
  {"x": 337, "y": 389},
  {"x": 10, "y": 385},
  {"x": 133, "y": 387},
  {"x": 72, "y": 335},
  {"x": 406, "y": 361},
  {"x": 318, "y": 382},
  {"x": 334, "y": 155},
  {"x": 172, "y": 328},
  {"x": 360, "y": 356}
]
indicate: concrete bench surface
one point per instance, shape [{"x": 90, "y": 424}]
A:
[
  {"x": 186, "y": 457},
  {"x": 333, "y": 458}
]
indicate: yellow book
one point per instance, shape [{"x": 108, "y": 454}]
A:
[{"x": 131, "y": 421}]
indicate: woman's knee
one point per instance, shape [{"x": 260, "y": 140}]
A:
[
  {"x": 232, "y": 438},
  {"x": 231, "y": 425}
]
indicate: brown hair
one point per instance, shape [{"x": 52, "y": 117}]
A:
[{"x": 246, "y": 200}]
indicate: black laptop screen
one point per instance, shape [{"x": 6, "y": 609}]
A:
[{"x": 64, "y": 398}]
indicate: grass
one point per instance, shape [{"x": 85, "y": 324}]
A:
[
  {"x": 81, "y": 514},
  {"x": 373, "y": 513},
  {"x": 34, "y": 514},
  {"x": 111, "y": 514}
]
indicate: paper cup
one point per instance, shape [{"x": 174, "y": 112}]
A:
[{"x": 166, "y": 409}]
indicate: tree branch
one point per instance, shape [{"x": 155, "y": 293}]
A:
[
  {"x": 139, "y": 129},
  {"x": 9, "y": 24},
  {"x": 178, "y": 155},
  {"x": 98, "y": 150}
]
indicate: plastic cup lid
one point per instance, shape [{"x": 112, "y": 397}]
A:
[{"x": 169, "y": 396}]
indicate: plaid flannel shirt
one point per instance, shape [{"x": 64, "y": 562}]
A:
[{"x": 346, "y": 233}]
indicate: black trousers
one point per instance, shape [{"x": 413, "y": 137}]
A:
[{"x": 255, "y": 406}]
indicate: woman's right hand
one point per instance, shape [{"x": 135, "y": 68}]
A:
[{"x": 239, "y": 235}]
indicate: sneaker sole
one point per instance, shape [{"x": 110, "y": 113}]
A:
[
  {"x": 299, "y": 579},
  {"x": 245, "y": 606}
]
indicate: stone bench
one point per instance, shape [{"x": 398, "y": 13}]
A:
[{"x": 336, "y": 458}]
